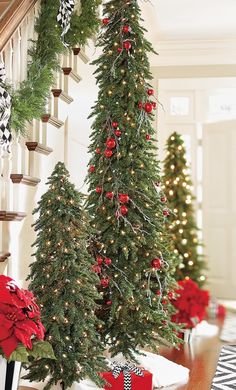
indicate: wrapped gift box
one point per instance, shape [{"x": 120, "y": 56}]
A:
[{"x": 137, "y": 382}]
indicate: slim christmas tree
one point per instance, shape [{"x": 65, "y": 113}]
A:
[
  {"x": 63, "y": 280},
  {"x": 127, "y": 209},
  {"x": 183, "y": 227}
]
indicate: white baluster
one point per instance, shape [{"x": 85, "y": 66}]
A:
[
  {"x": 66, "y": 61},
  {"x": 43, "y": 133},
  {"x": 25, "y": 168},
  {"x": 24, "y": 49},
  {"x": 60, "y": 75},
  {"x": 8, "y": 55},
  {"x": 48, "y": 107},
  {"x": 71, "y": 59},
  {"x": 36, "y": 131},
  {"x": 75, "y": 62},
  {"x": 7, "y": 193},
  {"x": 15, "y": 59},
  {"x": 16, "y": 155}
]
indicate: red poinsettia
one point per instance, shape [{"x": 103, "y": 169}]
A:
[
  {"x": 190, "y": 302},
  {"x": 19, "y": 317}
]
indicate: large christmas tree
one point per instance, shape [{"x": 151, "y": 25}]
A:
[
  {"x": 182, "y": 223},
  {"x": 63, "y": 280},
  {"x": 126, "y": 206}
]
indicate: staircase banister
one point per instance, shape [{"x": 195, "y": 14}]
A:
[{"x": 12, "y": 18}]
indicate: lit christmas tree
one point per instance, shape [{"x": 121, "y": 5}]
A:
[
  {"x": 125, "y": 202},
  {"x": 182, "y": 223},
  {"x": 64, "y": 282}
]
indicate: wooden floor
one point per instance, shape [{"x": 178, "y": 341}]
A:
[{"x": 200, "y": 357}]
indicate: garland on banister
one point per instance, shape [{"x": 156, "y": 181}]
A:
[{"x": 28, "y": 101}]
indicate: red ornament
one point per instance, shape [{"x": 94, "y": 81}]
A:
[
  {"x": 163, "y": 199},
  {"x": 164, "y": 301},
  {"x": 99, "y": 260},
  {"x": 96, "y": 269},
  {"x": 104, "y": 282},
  {"x": 158, "y": 292},
  {"x": 108, "y": 153},
  {"x": 127, "y": 45},
  {"x": 115, "y": 124},
  {"x": 118, "y": 133},
  {"x": 107, "y": 261},
  {"x": 126, "y": 29},
  {"x": 150, "y": 91},
  {"x": 99, "y": 190},
  {"x": 109, "y": 195},
  {"x": 154, "y": 105},
  {"x": 148, "y": 107},
  {"x": 108, "y": 303},
  {"x": 140, "y": 105},
  {"x": 124, "y": 210},
  {"x": 148, "y": 137},
  {"x": 166, "y": 213},
  {"x": 119, "y": 49},
  {"x": 170, "y": 295},
  {"x": 91, "y": 168},
  {"x": 123, "y": 198},
  {"x": 156, "y": 263},
  {"x": 105, "y": 21},
  {"x": 111, "y": 143},
  {"x": 98, "y": 151}
]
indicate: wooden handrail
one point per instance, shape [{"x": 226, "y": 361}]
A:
[{"x": 12, "y": 18}]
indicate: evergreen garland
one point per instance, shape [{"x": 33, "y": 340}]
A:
[{"x": 28, "y": 102}]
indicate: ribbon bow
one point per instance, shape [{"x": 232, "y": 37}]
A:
[
  {"x": 64, "y": 15},
  {"x": 5, "y": 111},
  {"x": 127, "y": 369}
]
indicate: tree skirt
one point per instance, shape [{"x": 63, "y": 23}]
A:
[
  {"x": 165, "y": 373},
  {"x": 228, "y": 332},
  {"x": 225, "y": 376}
]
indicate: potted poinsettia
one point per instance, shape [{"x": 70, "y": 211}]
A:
[
  {"x": 21, "y": 332},
  {"x": 190, "y": 302}
]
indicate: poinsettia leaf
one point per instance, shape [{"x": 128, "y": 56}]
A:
[
  {"x": 42, "y": 349},
  {"x": 19, "y": 355}
]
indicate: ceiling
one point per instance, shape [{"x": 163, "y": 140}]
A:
[{"x": 189, "y": 19}]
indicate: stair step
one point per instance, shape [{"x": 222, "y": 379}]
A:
[
  {"x": 79, "y": 52},
  {"x": 48, "y": 118},
  {"x": 37, "y": 147},
  {"x": 62, "y": 95},
  {"x": 68, "y": 71},
  {"x": 24, "y": 179},
  {"x": 4, "y": 256},
  {"x": 11, "y": 215}
]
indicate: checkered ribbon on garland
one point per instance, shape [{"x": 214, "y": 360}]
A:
[
  {"x": 5, "y": 111},
  {"x": 127, "y": 369},
  {"x": 64, "y": 15}
]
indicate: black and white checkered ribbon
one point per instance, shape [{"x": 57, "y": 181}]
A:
[
  {"x": 5, "y": 111},
  {"x": 64, "y": 15},
  {"x": 127, "y": 369}
]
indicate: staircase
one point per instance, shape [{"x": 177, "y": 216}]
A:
[{"x": 24, "y": 171}]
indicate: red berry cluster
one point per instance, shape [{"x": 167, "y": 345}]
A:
[
  {"x": 99, "y": 268},
  {"x": 150, "y": 105}
]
